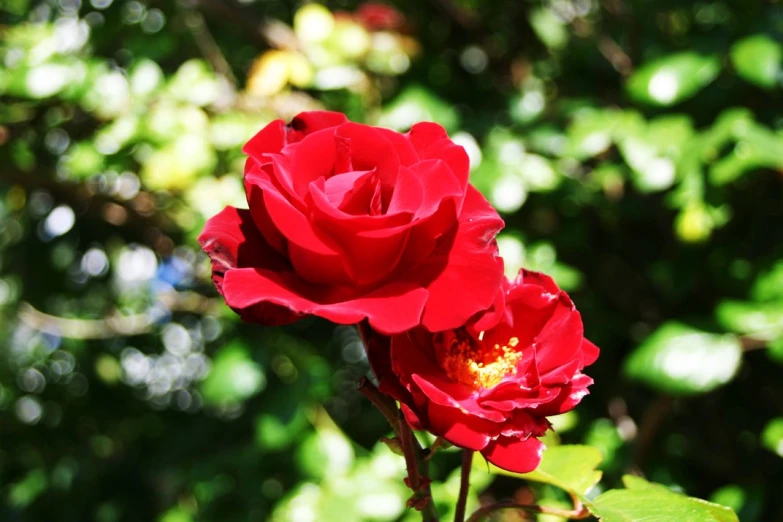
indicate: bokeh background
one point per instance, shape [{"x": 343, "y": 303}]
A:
[{"x": 633, "y": 147}]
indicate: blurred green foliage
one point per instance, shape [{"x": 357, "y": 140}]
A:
[{"x": 634, "y": 148}]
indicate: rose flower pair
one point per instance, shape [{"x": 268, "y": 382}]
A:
[{"x": 358, "y": 224}]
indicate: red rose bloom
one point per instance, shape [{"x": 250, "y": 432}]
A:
[
  {"x": 379, "y": 17},
  {"x": 490, "y": 390},
  {"x": 351, "y": 222}
]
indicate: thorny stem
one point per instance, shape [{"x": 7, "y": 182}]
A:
[
  {"x": 464, "y": 485},
  {"x": 418, "y": 481},
  {"x": 578, "y": 513},
  {"x": 385, "y": 405}
]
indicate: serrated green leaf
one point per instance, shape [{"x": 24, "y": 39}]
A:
[
  {"x": 681, "y": 360},
  {"x": 649, "y": 502},
  {"x": 757, "y": 59},
  {"x": 673, "y": 78}
]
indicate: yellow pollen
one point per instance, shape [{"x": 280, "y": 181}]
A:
[{"x": 474, "y": 363}]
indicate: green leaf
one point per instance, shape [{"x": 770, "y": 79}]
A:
[
  {"x": 681, "y": 360},
  {"x": 769, "y": 285},
  {"x": 325, "y": 453},
  {"x": 569, "y": 467},
  {"x": 772, "y": 436},
  {"x": 234, "y": 377},
  {"x": 415, "y": 104},
  {"x": 763, "y": 320},
  {"x": 549, "y": 28},
  {"x": 757, "y": 59},
  {"x": 649, "y": 502},
  {"x": 673, "y": 78}
]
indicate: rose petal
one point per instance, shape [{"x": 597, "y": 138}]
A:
[
  {"x": 432, "y": 142},
  {"x": 310, "y": 255},
  {"x": 511, "y": 454},
  {"x": 232, "y": 241},
  {"x": 312, "y": 158},
  {"x": 590, "y": 353},
  {"x": 313, "y": 121},
  {"x": 370, "y": 149},
  {"x": 568, "y": 396},
  {"x": 269, "y": 140},
  {"x": 467, "y": 274},
  {"x": 390, "y": 309},
  {"x": 465, "y": 431},
  {"x": 405, "y": 151},
  {"x": 416, "y": 368}
]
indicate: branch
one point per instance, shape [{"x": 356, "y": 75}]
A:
[
  {"x": 417, "y": 480},
  {"x": 113, "y": 325},
  {"x": 208, "y": 47},
  {"x": 464, "y": 485},
  {"x": 385, "y": 405}
]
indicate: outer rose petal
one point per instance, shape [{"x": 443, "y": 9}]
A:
[
  {"x": 232, "y": 241},
  {"x": 518, "y": 456},
  {"x": 391, "y": 309},
  {"x": 468, "y": 276},
  {"x": 458, "y": 428},
  {"x": 590, "y": 352}
]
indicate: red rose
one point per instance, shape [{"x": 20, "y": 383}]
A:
[
  {"x": 379, "y": 17},
  {"x": 348, "y": 222},
  {"x": 491, "y": 390}
]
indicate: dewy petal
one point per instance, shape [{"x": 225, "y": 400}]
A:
[
  {"x": 232, "y": 241},
  {"x": 512, "y": 454},
  {"x": 467, "y": 275},
  {"x": 390, "y": 309}
]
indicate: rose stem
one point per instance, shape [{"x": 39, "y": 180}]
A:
[
  {"x": 578, "y": 513},
  {"x": 464, "y": 485},
  {"x": 384, "y": 404},
  {"x": 417, "y": 473}
]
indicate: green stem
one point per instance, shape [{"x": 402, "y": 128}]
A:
[{"x": 464, "y": 485}]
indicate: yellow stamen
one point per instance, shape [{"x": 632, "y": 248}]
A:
[{"x": 473, "y": 363}]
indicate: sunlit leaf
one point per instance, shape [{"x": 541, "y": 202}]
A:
[
  {"x": 757, "y": 59},
  {"x": 569, "y": 467},
  {"x": 651, "y": 502},
  {"x": 764, "y": 320},
  {"x": 673, "y": 78},
  {"x": 679, "y": 359},
  {"x": 233, "y": 378},
  {"x": 772, "y": 436}
]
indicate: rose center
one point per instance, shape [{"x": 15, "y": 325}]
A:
[{"x": 474, "y": 362}]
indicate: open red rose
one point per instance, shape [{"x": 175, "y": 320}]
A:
[
  {"x": 379, "y": 17},
  {"x": 351, "y": 222},
  {"x": 491, "y": 390}
]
